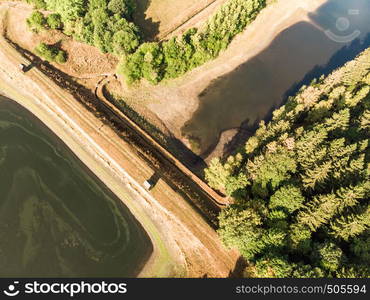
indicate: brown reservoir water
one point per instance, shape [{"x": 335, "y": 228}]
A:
[
  {"x": 56, "y": 218},
  {"x": 337, "y": 32}
]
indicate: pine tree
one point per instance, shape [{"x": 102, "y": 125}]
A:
[
  {"x": 329, "y": 256},
  {"x": 318, "y": 211},
  {"x": 317, "y": 176},
  {"x": 300, "y": 237},
  {"x": 218, "y": 174},
  {"x": 365, "y": 120},
  {"x": 271, "y": 266},
  {"x": 352, "y": 224},
  {"x": 360, "y": 247},
  {"x": 288, "y": 198},
  {"x": 339, "y": 120}
]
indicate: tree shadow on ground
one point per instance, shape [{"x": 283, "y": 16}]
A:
[
  {"x": 148, "y": 27},
  {"x": 239, "y": 268}
]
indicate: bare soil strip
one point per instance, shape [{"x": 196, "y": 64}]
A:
[
  {"x": 158, "y": 18},
  {"x": 194, "y": 20}
]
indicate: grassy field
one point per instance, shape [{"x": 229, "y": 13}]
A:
[{"x": 159, "y": 17}]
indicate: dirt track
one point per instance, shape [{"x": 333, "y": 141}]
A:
[{"x": 158, "y": 19}]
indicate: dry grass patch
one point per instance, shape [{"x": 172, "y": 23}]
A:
[
  {"x": 157, "y": 18},
  {"x": 83, "y": 60}
]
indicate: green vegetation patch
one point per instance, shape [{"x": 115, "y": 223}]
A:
[
  {"x": 36, "y": 21},
  {"x": 107, "y": 24},
  {"x": 301, "y": 184},
  {"x": 102, "y": 23},
  {"x": 54, "y": 21},
  {"x": 51, "y": 53}
]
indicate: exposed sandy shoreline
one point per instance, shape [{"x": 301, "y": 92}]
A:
[{"x": 183, "y": 242}]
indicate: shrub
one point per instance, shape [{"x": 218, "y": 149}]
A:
[
  {"x": 36, "y": 21},
  {"x": 51, "y": 53},
  {"x": 39, "y": 4},
  {"x": 54, "y": 21},
  {"x": 123, "y": 8},
  {"x": 61, "y": 57}
]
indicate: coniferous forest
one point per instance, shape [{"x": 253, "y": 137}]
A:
[{"x": 301, "y": 183}]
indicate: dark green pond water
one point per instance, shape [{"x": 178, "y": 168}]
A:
[
  {"x": 56, "y": 218},
  {"x": 338, "y": 32}
]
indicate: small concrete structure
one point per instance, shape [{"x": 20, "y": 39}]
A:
[
  {"x": 22, "y": 67},
  {"x": 147, "y": 185}
]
